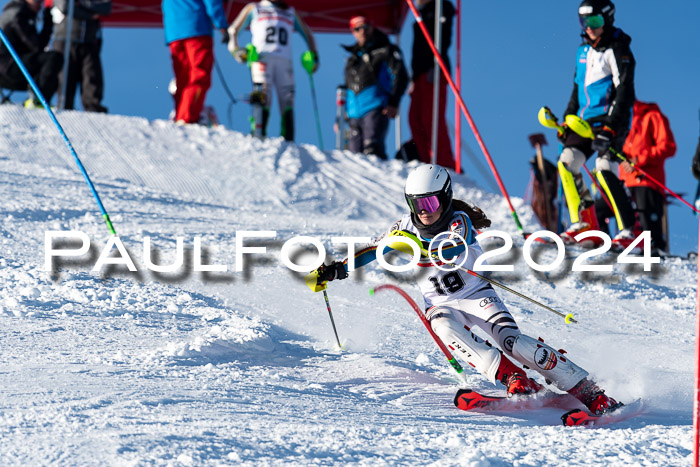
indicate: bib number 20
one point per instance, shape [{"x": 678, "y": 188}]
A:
[{"x": 276, "y": 35}]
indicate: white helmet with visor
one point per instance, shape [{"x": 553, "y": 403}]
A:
[{"x": 427, "y": 188}]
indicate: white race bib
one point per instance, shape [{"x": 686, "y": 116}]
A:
[{"x": 272, "y": 30}]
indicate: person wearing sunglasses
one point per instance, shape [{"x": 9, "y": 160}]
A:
[
  {"x": 603, "y": 95},
  {"x": 376, "y": 78},
  {"x": 456, "y": 302}
]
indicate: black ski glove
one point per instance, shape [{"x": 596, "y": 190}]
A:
[
  {"x": 335, "y": 270},
  {"x": 603, "y": 140},
  {"x": 564, "y": 133},
  {"x": 47, "y": 15},
  {"x": 225, "y": 37}
]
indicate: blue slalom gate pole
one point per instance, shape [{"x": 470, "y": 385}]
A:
[{"x": 38, "y": 94}]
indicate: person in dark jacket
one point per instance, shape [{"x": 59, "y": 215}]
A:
[
  {"x": 420, "y": 114},
  {"x": 85, "y": 67},
  {"x": 18, "y": 22},
  {"x": 376, "y": 77},
  {"x": 603, "y": 95}
]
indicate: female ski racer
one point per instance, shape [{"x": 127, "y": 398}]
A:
[{"x": 456, "y": 302}]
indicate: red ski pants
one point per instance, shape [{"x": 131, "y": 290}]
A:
[
  {"x": 420, "y": 119},
  {"x": 193, "y": 59}
]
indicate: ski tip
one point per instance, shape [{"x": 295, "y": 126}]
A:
[
  {"x": 371, "y": 292},
  {"x": 576, "y": 417},
  {"x": 459, "y": 402},
  {"x": 463, "y": 391},
  {"x": 579, "y": 417}
]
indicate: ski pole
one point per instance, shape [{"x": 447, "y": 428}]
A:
[
  {"x": 560, "y": 205},
  {"x": 38, "y": 94},
  {"x": 330, "y": 313},
  {"x": 568, "y": 318},
  {"x": 228, "y": 91},
  {"x": 311, "y": 280},
  {"x": 223, "y": 82},
  {"x": 308, "y": 62},
  {"x": 450, "y": 358},
  {"x": 600, "y": 189},
  {"x": 583, "y": 129}
]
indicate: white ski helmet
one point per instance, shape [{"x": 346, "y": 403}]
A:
[{"x": 427, "y": 188}]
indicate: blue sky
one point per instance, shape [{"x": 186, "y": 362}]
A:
[{"x": 516, "y": 57}]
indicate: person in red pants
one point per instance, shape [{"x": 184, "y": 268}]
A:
[
  {"x": 420, "y": 114},
  {"x": 188, "y": 33}
]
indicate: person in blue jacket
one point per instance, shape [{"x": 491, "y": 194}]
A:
[
  {"x": 603, "y": 95},
  {"x": 189, "y": 25},
  {"x": 376, "y": 78}
]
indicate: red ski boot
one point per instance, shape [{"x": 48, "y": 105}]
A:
[
  {"x": 624, "y": 239},
  {"x": 588, "y": 221},
  {"x": 593, "y": 397},
  {"x": 573, "y": 230},
  {"x": 515, "y": 379}
]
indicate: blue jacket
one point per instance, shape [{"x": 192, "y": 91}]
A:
[
  {"x": 603, "y": 91},
  {"x": 183, "y": 19},
  {"x": 375, "y": 76}
]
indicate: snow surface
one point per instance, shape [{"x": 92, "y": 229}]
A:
[{"x": 239, "y": 368}]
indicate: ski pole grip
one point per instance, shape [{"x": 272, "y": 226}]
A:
[{"x": 308, "y": 61}]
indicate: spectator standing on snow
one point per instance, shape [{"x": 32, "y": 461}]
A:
[
  {"x": 18, "y": 22},
  {"x": 649, "y": 143},
  {"x": 188, "y": 28},
  {"x": 272, "y": 24},
  {"x": 85, "y": 66},
  {"x": 420, "y": 113},
  {"x": 376, "y": 78},
  {"x": 603, "y": 95}
]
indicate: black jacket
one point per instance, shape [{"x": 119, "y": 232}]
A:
[
  {"x": 85, "y": 28},
  {"x": 422, "y": 57},
  {"x": 696, "y": 162},
  {"x": 365, "y": 64},
  {"x": 18, "y": 22},
  {"x": 622, "y": 96}
]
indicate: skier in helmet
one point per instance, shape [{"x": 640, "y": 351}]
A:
[
  {"x": 455, "y": 301},
  {"x": 603, "y": 95}
]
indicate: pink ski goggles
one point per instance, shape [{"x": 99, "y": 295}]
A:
[{"x": 429, "y": 204}]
